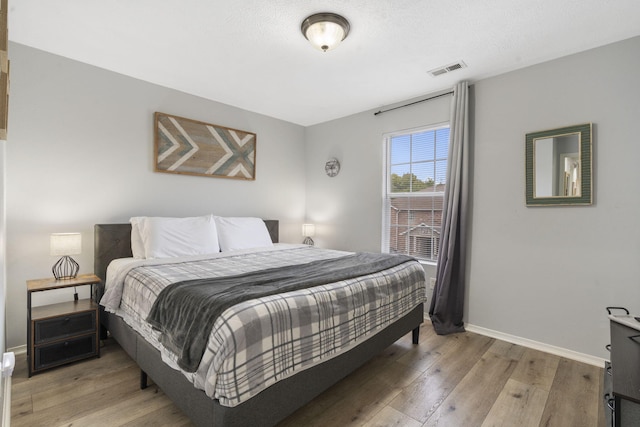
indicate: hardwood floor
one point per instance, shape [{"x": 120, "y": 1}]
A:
[{"x": 457, "y": 380}]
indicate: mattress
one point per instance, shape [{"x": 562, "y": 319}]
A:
[{"x": 258, "y": 342}]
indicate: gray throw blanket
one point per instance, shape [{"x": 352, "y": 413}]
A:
[{"x": 184, "y": 312}]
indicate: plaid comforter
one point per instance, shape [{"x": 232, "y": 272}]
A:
[{"x": 261, "y": 341}]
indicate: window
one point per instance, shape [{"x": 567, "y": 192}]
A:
[{"x": 415, "y": 175}]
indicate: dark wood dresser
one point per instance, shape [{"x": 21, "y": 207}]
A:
[{"x": 623, "y": 373}]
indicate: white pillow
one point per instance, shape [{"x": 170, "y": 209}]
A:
[
  {"x": 174, "y": 237},
  {"x": 236, "y": 233},
  {"x": 137, "y": 246}
]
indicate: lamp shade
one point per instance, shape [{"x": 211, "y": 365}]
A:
[
  {"x": 325, "y": 30},
  {"x": 308, "y": 230},
  {"x": 66, "y": 244}
]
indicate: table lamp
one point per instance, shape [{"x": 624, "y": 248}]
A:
[
  {"x": 308, "y": 230},
  {"x": 65, "y": 244}
]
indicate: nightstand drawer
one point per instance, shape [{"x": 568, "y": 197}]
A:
[
  {"x": 65, "y": 351},
  {"x": 57, "y": 328}
]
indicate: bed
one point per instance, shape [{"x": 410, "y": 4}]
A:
[{"x": 270, "y": 404}]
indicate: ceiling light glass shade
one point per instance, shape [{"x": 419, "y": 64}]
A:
[{"x": 325, "y": 30}]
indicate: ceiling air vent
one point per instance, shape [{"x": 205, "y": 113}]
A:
[{"x": 447, "y": 69}]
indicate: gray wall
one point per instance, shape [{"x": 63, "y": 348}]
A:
[
  {"x": 80, "y": 152},
  {"x": 547, "y": 273},
  {"x": 544, "y": 274}
]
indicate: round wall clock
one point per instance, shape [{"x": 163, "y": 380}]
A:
[{"x": 332, "y": 167}]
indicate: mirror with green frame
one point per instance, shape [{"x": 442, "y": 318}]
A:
[{"x": 559, "y": 166}]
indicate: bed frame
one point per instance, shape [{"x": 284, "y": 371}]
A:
[{"x": 272, "y": 404}]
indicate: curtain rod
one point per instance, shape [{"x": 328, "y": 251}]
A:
[{"x": 412, "y": 103}]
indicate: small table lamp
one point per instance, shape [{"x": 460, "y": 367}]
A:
[
  {"x": 308, "y": 230},
  {"x": 65, "y": 244}
]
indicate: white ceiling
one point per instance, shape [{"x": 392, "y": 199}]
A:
[{"x": 251, "y": 53}]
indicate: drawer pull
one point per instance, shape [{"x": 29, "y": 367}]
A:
[
  {"x": 635, "y": 338},
  {"x": 66, "y": 319},
  {"x": 616, "y": 308},
  {"x": 611, "y": 404},
  {"x": 66, "y": 343}
]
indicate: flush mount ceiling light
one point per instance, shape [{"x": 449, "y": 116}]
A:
[{"x": 325, "y": 30}]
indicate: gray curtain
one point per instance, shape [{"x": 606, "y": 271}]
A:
[{"x": 447, "y": 303}]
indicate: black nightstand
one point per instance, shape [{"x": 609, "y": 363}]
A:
[{"x": 65, "y": 332}]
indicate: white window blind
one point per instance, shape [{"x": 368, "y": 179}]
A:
[{"x": 415, "y": 177}]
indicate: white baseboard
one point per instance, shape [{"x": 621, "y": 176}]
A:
[
  {"x": 21, "y": 349},
  {"x": 547, "y": 348}
]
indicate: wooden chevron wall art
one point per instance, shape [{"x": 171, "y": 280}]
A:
[{"x": 190, "y": 147}]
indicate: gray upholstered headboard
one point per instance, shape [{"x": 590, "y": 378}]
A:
[{"x": 113, "y": 241}]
